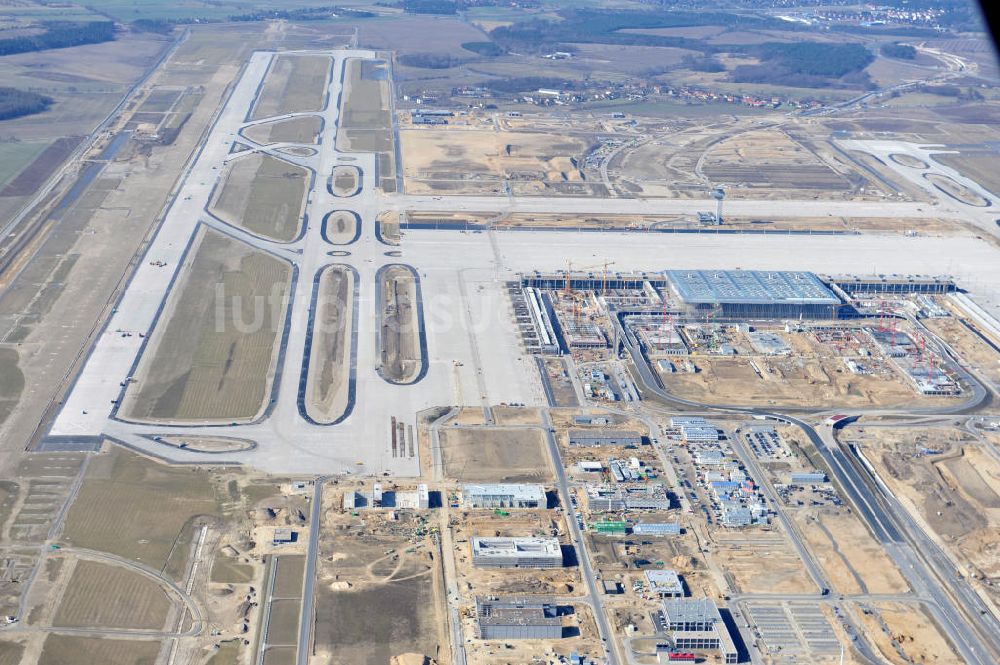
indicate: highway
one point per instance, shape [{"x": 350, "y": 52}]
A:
[
  {"x": 309, "y": 576},
  {"x": 608, "y": 643}
]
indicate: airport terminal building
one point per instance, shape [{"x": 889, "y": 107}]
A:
[{"x": 755, "y": 294}]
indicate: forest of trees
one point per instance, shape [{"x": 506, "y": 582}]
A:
[
  {"x": 60, "y": 35},
  {"x": 429, "y": 60},
  {"x": 15, "y": 103},
  {"x": 806, "y": 64},
  {"x": 488, "y": 49},
  {"x": 897, "y": 50}
]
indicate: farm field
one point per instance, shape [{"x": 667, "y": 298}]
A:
[
  {"x": 64, "y": 649},
  {"x": 197, "y": 368},
  {"x": 264, "y": 195},
  {"x": 143, "y": 526},
  {"x": 294, "y": 84},
  {"x": 104, "y": 595},
  {"x": 330, "y": 360}
]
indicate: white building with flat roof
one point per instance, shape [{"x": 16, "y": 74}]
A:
[
  {"x": 665, "y": 583},
  {"x": 516, "y": 553},
  {"x": 504, "y": 495}
]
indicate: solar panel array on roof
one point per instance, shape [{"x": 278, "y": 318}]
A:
[{"x": 750, "y": 287}]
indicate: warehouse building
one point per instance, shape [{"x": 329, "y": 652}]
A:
[
  {"x": 604, "y": 437},
  {"x": 516, "y": 553},
  {"x": 665, "y": 583},
  {"x": 756, "y": 294},
  {"x": 517, "y": 619},
  {"x": 377, "y": 497},
  {"x": 697, "y": 624},
  {"x": 505, "y": 495},
  {"x": 656, "y": 529},
  {"x": 808, "y": 478},
  {"x": 602, "y": 499}
]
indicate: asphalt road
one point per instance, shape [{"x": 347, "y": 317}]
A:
[
  {"x": 309, "y": 576},
  {"x": 974, "y": 632},
  {"x": 600, "y": 618}
]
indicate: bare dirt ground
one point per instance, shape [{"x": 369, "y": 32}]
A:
[
  {"x": 771, "y": 159},
  {"x": 197, "y": 368},
  {"x": 494, "y": 455},
  {"x": 954, "y": 490},
  {"x": 345, "y": 180},
  {"x": 852, "y": 560},
  {"x": 340, "y": 227},
  {"x": 905, "y": 634},
  {"x": 400, "y": 354},
  {"x": 969, "y": 345},
  {"x": 644, "y": 223},
  {"x": 264, "y": 195},
  {"x": 329, "y": 361},
  {"x": 479, "y": 160},
  {"x": 740, "y": 554},
  {"x": 815, "y": 374},
  {"x": 380, "y": 592},
  {"x": 956, "y": 190}
]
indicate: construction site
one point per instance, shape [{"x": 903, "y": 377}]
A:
[{"x": 743, "y": 337}]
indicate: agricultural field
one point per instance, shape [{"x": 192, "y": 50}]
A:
[
  {"x": 366, "y": 116},
  {"x": 197, "y": 368},
  {"x": 327, "y": 390},
  {"x": 264, "y": 195},
  {"x": 14, "y": 157},
  {"x": 495, "y": 455},
  {"x": 301, "y": 129},
  {"x": 142, "y": 527},
  {"x": 63, "y": 649},
  {"x": 294, "y": 84},
  {"x": 401, "y": 356},
  {"x": 110, "y": 596}
]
